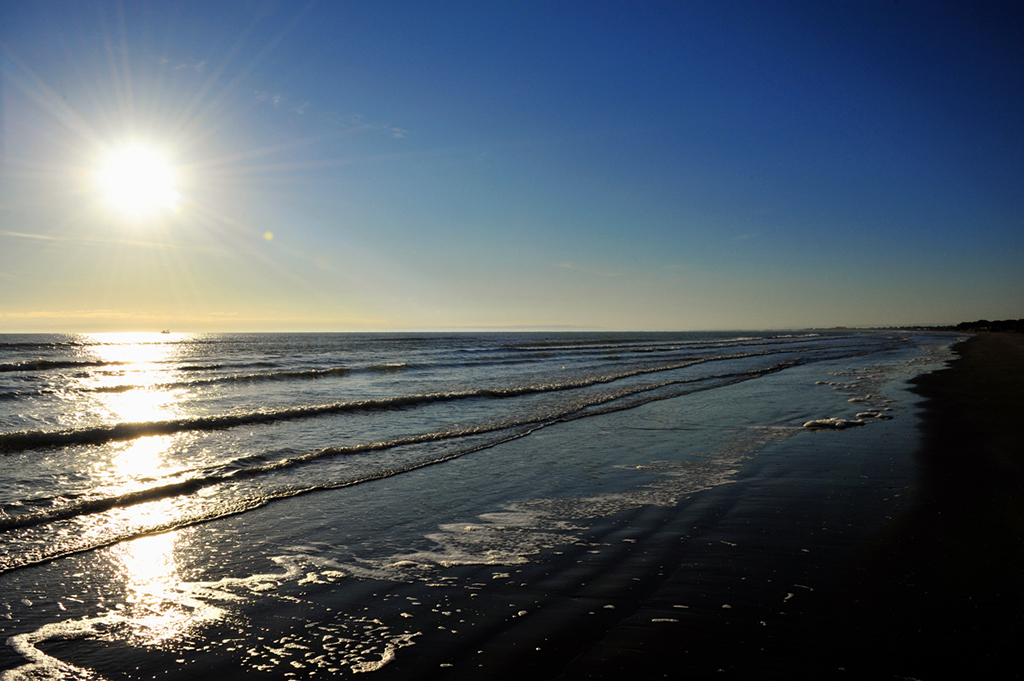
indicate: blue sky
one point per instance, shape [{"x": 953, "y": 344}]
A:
[{"x": 374, "y": 166}]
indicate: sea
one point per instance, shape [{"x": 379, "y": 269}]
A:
[{"x": 315, "y": 505}]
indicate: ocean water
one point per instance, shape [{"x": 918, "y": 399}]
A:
[{"x": 165, "y": 498}]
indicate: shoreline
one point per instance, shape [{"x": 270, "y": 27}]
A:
[{"x": 937, "y": 589}]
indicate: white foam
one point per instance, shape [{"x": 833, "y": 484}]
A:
[
  {"x": 521, "y": 530},
  {"x": 177, "y": 609},
  {"x": 874, "y": 414},
  {"x": 832, "y": 424},
  {"x": 356, "y": 643}
]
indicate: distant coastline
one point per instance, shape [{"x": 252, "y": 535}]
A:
[
  {"x": 1015, "y": 325},
  {"x": 986, "y": 325}
]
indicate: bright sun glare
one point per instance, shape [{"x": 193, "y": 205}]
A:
[{"x": 138, "y": 182}]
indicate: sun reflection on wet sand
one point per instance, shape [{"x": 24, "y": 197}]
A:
[{"x": 159, "y": 608}]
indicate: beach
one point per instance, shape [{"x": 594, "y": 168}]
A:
[
  {"x": 680, "y": 538},
  {"x": 937, "y": 589},
  {"x": 943, "y": 581},
  {"x": 504, "y": 341}
]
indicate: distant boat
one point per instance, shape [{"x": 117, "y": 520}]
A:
[{"x": 166, "y": 331}]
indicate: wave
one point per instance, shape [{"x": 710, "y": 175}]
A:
[
  {"x": 389, "y": 367},
  {"x": 24, "y": 440},
  {"x": 257, "y": 466},
  {"x": 638, "y": 350},
  {"x": 27, "y": 440},
  {"x": 265, "y": 490},
  {"x": 675, "y": 343},
  {"x": 532, "y": 352},
  {"x": 201, "y": 367},
  {"x": 38, "y": 344},
  {"x": 39, "y": 530},
  {"x": 48, "y": 364},
  {"x": 72, "y": 544},
  {"x": 235, "y": 378}
]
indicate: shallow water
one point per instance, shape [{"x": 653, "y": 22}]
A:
[{"x": 336, "y": 467}]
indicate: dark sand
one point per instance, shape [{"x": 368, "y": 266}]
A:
[{"x": 946, "y": 582}]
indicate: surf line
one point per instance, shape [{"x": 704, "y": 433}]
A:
[
  {"x": 28, "y": 440},
  {"x": 522, "y": 429}
]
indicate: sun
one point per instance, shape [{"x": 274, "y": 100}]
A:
[{"x": 138, "y": 182}]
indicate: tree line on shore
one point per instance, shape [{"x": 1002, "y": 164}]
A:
[{"x": 986, "y": 325}]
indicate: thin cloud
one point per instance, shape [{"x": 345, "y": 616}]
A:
[
  {"x": 587, "y": 270},
  {"x": 118, "y": 242},
  {"x": 216, "y": 316},
  {"x": 351, "y": 122},
  {"x": 195, "y": 65},
  {"x": 76, "y": 314},
  {"x": 22, "y": 235}
]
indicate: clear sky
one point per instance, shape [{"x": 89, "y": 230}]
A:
[{"x": 482, "y": 165}]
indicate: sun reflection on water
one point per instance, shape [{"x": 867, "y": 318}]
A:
[
  {"x": 136, "y": 379},
  {"x": 142, "y": 457},
  {"x": 133, "y": 383}
]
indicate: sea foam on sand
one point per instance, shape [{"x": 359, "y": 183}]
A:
[{"x": 833, "y": 424}]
